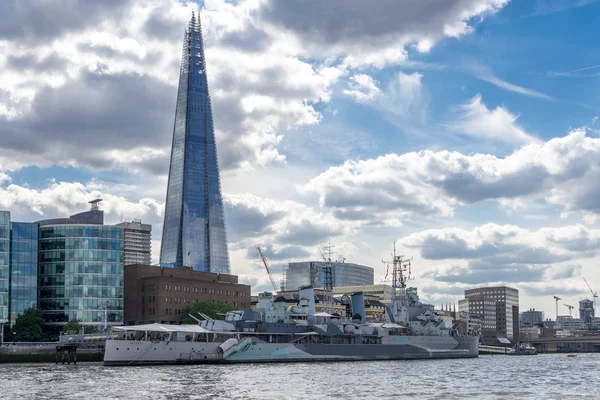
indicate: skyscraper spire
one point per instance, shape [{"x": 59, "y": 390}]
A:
[{"x": 194, "y": 227}]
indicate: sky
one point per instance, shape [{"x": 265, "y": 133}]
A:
[{"x": 465, "y": 131}]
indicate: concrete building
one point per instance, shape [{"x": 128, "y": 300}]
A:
[
  {"x": 136, "y": 242},
  {"x": 498, "y": 310},
  {"x": 531, "y": 318},
  {"x": 306, "y": 273},
  {"x": 157, "y": 294},
  {"x": 381, "y": 292}
]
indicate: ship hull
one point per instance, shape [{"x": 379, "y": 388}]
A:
[
  {"x": 126, "y": 352},
  {"x": 130, "y": 353},
  {"x": 409, "y": 348}
]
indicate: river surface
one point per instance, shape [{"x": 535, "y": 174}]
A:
[{"x": 487, "y": 377}]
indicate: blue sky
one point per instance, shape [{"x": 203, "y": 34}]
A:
[{"x": 464, "y": 130}]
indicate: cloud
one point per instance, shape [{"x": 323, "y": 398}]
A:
[
  {"x": 476, "y": 120},
  {"x": 91, "y": 71},
  {"x": 511, "y": 87},
  {"x": 493, "y": 254},
  {"x": 404, "y": 96},
  {"x": 260, "y": 221},
  {"x": 562, "y": 172},
  {"x": 374, "y": 33},
  {"x": 493, "y": 244},
  {"x": 363, "y": 88},
  {"x": 61, "y": 199},
  {"x": 544, "y": 7}
]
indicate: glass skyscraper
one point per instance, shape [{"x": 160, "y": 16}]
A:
[
  {"x": 23, "y": 267},
  {"x": 4, "y": 265},
  {"x": 81, "y": 271},
  {"x": 194, "y": 227}
]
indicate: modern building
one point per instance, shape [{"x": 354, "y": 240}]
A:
[
  {"x": 531, "y": 318},
  {"x": 194, "y": 226},
  {"x": 498, "y": 310},
  {"x": 136, "y": 242},
  {"x": 158, "y": 294},
  {"x": 23, "y": 268},
  {"x": 4, "y": 267},
  {"x": 80, "y": 270},
  {"x": 382, "y": 292},
  {"x": 312, "y": 273},
  {"x": 586, "y": 310}
]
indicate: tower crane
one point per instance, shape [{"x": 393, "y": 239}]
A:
[
  {"x": 264, "y": 260},
  {"x": 569, "y": 307},
  {"x": 594, "y": 294},
  {"x": 556, "y": 298}
]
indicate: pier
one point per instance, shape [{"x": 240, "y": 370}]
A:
[{"x": 66, "y": 353}]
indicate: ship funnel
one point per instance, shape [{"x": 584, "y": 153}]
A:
[
  {"x": 308, "y": 294},
  {"x": 358, "y": 305}
]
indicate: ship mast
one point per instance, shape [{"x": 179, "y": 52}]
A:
[{"x": 401, "y": 271}]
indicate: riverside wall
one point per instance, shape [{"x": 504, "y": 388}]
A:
[{"x": 46, "y": 352}]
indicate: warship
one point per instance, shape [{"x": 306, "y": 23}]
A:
[{"x": 275, "y": 332}]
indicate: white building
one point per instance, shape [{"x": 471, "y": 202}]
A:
[{"x": 137, "y": 242}]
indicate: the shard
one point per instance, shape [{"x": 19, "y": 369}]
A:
[{"x": 194, "y": 227}]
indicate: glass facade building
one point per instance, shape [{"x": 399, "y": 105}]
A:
[
  {"x": 312, "y": 273},
  {"x": 23, "y": 267},
  {"x": 194, "y": 227},
  {"x": 4, "y": 265},
  {"x": 81, "y": 274}
]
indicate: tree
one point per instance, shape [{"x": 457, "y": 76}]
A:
[
  {"x": 73, "y": 326},
  {"x": 211, "y": 309},
  {"x": 28, "y": 326}
]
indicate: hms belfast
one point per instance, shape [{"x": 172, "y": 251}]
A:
[{"x": 274, "y": 332}]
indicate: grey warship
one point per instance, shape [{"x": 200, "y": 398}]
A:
[{"x": 275, "y": 332}]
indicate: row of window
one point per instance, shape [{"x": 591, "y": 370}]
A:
[
  {"x": 83, "y": 316},
  {"x": 81, "y": 267},
  {"x": 81, "y": 243},
  {"x": 81, "y": 291},
  {"x": 81, "y": 255},
  {"x": 81, "y": 279},
  {"x": 80, "y": 304},
  {"x": 100, "y": 231}
]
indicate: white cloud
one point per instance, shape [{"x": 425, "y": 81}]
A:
[
  {"x": 363, "y": 88},
  {"x": 476, "y": 120},
  {"x": 562, "y": 171}
]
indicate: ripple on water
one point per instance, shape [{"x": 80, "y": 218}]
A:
[{"x": 499, "y": 377}]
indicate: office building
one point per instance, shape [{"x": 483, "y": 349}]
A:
[
  {"x": 136, "y": 242},
  {"x": 80, "y": 270},
  {"x": 498, "y": 310},
  {"x": 4, "y": 266},
  {"x": 194, "y": 227},
  {"x": 586, "y": 310},
  {"x": 23, "y": 268},
  {"x": 531, "y": 318},
  {"x": 313, "y": 273},
  {"x": 160, "y": 295}
]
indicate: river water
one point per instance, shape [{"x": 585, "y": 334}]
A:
[{"x": 487, "y": 377}]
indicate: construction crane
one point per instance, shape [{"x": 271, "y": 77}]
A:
[
  {"x": 264, "y": 260},
  {"x": 594, "y": 294},
  {"x": 556, "y": 298},
  {"x": 570, "y": 308}
]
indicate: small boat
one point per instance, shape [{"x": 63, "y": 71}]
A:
[{"x": 571, "y": 355}]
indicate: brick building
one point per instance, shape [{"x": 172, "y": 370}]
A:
[{"x": 156, "y": 294}]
